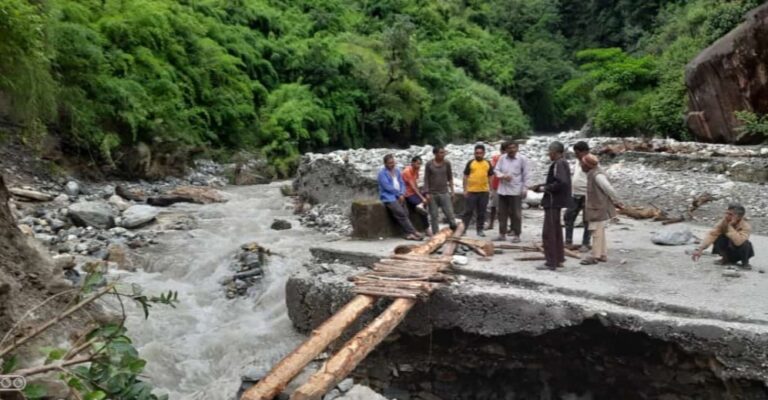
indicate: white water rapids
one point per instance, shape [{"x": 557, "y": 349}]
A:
[{"x": 200, "y": 349}]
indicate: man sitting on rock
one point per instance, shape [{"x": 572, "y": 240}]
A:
[
  {"x": 392, "y": 194},
  {"x": 413, "y": 196},
  {"x": 730, "y": 238}
]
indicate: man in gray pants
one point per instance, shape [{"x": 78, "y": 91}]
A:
[{"x": 438, "y": 181}]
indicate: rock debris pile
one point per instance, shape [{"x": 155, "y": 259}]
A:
[{"x": 85, "y": 224}]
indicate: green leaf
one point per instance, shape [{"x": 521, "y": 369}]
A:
[
  {"x": 34, "y": 391},
  {"x": 95, "y": 395},
  {"x": 10, "y": 364},
  {"x": 54, "y": 354}
]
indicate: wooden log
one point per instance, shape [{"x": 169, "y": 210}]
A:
[
  {"x": 319, "y": 339},
  {"x": 290, "y": 366},
  {"x": 412, "y": 257},
  {"x": 531, "y": 258},
  {"x": 30, "y": 194},
  {"x": 411, "y": 264},
  {"x": 379, "y": 292},
  {"x": 356, "y": 349},
  {"x": 572, "y": 254},
  {"x": 673, "y": 221},
  {"x": 484, "y": 248}
]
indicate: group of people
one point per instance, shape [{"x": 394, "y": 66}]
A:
[{"x": 503, "y": 182}]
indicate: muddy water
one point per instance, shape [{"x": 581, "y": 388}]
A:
[{"x": 199, "y": 349}]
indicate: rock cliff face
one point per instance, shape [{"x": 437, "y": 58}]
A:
[{"x": 730, "y": 75}]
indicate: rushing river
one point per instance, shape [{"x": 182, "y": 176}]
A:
[{"x": 199, "y": 349}]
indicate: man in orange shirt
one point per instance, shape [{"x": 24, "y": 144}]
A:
[
  {"x": 413, "y": 195},
  {"x": 494, "y": 198}
]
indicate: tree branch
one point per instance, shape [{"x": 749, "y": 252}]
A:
[{"x": 53, "y": 366}]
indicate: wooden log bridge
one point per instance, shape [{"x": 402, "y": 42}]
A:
[{"x": 404, "y": 277}]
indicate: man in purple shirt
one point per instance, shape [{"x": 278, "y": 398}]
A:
[{"x": 514, "y": 173}]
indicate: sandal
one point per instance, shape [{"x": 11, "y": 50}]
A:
[
  {"x": 602, "y": 259},
  {"x": 589, "y": 261}
]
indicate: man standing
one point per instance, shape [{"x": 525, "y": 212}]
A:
[
  {"x": 579, "y": 195},
  {"x": 438, "y": 182},
  {"x": 601, "y": 204},
  {"x": 477, "y": 185},
  {"x": 494, "y": 197},
  {"x": 413, "y": 196},
  {"x": 730, "y": 238},
  {"x": 392, "y": 194},
  {"x": 557, "y": 195},
  {"x": 514, "y": 174}
]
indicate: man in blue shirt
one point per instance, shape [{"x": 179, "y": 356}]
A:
[{"x": 392, "y": 194}]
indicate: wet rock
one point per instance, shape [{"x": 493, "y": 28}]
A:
[
  {"x": 139, "y": 215},
  {"x": 346, "y": 384},
  {"x": 58, "y": 285},
  {"x": 92, "y": 213},
  {"x": 118, "y": 202},
  {"x": 64, "y": 261},
  {"x": 360, "y": 392},
  {"x": 72, "y": 189},
  {"x": 280, "y": 224},
  {"x": 332, "y": 395}
]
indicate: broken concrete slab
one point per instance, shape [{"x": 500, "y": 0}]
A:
[{"x": 655, "y": 290}]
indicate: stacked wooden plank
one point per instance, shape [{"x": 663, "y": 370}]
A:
[{"x": 403, "y": 276}]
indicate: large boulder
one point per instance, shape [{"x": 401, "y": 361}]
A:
[
  {"x": 372, "y": 220},
  {"x": 92, "y": 213},
  {"x": 730, "y": 75},
  {"x": 138, "y": 215}
]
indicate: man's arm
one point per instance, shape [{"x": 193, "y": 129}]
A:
[
  {"x": 449, "y": 171},
  {"x": 490, "y": 175},
  {"x": 738, "y": 236},
  {"x": 426, "y": 177},
  {"x": 385, "y": 184},
  {"x": 604, "y": 184},
  {"x": 467, "y": 171},
  {"x": 712, "y": 235},
  {"x": 561, "y": 176}
]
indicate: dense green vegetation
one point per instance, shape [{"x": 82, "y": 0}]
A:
[{"x": 285, "y": 77}]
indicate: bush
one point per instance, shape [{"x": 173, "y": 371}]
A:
[{"x": 752, "y": 124}]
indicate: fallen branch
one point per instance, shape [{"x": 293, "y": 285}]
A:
[
  {"x": 53, "y": 366},
  {"x": 531, "y": 258},
  {"x": 54, "y": 321},
  {"x": 673, "y": 221}
]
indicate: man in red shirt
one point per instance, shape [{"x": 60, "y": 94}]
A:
[
  {"x": 494, "y": 200},
  {"x": 413, "y": 196}
]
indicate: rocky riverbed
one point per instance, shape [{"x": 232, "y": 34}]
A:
[{"x": 663, "y": 173}]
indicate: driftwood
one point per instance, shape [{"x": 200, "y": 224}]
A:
[
  {"x": 673, "y": 221},
  {"x": 356, "y": 349},
  {"x": 129, "y": 195},
  {"x": 638, "y": 212},
  {"x": 531, "y": 258},
  {"x": 30, "y": 194},
  {"x": 482, "y": 247},
  {"x": 413, "y": 257},
  {"x": 290, "y": 366}
]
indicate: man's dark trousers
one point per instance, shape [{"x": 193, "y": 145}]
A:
[
  {"x": 510, "y": 207},
  {"x": 552, "y": 235},
  {"x": 726, "y": 249},
  {"x": 571, "y": 213},
  {"x": 475, "y": 202},
  {"x": 400, "y": 212}
]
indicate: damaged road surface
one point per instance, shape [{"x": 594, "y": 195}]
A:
[{"x": 649, "y": 324}]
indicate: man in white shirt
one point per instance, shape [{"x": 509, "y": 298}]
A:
[
  {"x": 579, "y": 194},
  {"x": 514, "y": 176}
]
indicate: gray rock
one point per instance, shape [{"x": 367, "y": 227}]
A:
[
  {"x": 139, "y": 215},
  {"x": 72, "y": 189},
  {"x": 92, "y": 213},
  {"x": 64, "y": 261},
  {"x": 672, "y": 237},
  {"x": 346, "y": 384},
  {"x": 119, "y": 202},
  {"x": 332, "y": 395},
  {"x": 359, "y": 392},
  {"x": 281, "y": 224}
]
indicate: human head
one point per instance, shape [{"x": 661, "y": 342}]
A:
[
  {"x": 416, "y": 162},
  {"x": 439, "y": 152},
  {"x": 503, "y": 146},
  {"x": 479, "y": 152},
  {"x": 735, "y": 212},
  {"x": 581, "y": 149},
  {"x": 511, "y": 149},
  {"x": 588, "y": 162},
  {"x": 389, "y": 161},
  {"x": 556, "y": 150}
]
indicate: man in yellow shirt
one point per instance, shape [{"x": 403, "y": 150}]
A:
[
  {"x": 730, "y": 239},
  {"x": 477, "y": 186}
]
